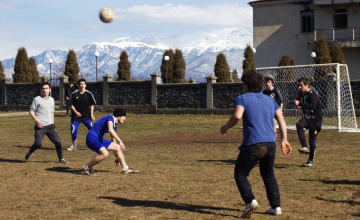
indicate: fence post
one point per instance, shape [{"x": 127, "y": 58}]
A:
[
  {"x": 3, "y": 90},
  {"x": 155, "y": 79},
  {"x": 210, "y": 80},
  {"x": 106, "y": 79},
  {"x": 63, "y": 79}
]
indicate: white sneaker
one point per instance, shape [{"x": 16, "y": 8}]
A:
[
  {"x": 250, "y": 208},
  {"x": 304, "y": 150},
  {"x": 272, "y": 211},
  {"x": 72, "y": 147}
]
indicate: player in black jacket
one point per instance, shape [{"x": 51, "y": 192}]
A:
[
  {"x": 311, "y": 119},
  {"x": 272, "y": 92}
]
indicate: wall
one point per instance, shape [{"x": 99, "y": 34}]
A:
[{"x": 130, "y": 93}]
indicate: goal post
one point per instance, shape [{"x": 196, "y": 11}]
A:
[{"x": 332, "y": 83}]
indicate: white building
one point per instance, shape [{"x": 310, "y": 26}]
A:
[{"x": 291, "y": 27}]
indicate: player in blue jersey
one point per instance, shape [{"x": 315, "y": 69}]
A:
[
  {"x": 96, "y": 142},
  {"x": 259, "y": 144},
  {"x": 82, "y": 108}
]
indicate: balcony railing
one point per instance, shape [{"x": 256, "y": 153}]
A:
[{"x": 338, "y": 34}]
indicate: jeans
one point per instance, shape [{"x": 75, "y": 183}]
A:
[{"x": 249, "y": 156}]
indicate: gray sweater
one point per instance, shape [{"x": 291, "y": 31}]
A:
[{"x": 43, "y": 109}]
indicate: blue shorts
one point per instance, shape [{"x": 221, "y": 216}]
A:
[{"x": 94, "y": 143}]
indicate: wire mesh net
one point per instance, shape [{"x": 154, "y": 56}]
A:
[{"x": 331, "y": 81}]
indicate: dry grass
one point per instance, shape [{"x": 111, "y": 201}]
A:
[{"x": 186, "y": 173}]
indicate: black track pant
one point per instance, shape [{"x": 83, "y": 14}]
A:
[
  {"x": 52, "y": 134},
  {"x": 314, "y": 129}
]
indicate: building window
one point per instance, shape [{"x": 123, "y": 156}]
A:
[
  {"x": 340, "y": 18},
  {"x": 307, "y": 21}
]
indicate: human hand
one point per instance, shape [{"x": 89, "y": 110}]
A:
[
  {"x": 77, "y": 114},
  {"x": 39, "y": 124},
  {"x": 117, "y": 162},
  {"x": 223, "y": 130},
  {"x": 92, "y": 118},
  {"x": 285, "y": 147},
  {"x": 296, "y": 102},
  {"x": 122, "y": 146}
]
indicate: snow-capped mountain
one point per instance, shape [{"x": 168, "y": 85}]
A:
[{"x": 199, "y": 50}]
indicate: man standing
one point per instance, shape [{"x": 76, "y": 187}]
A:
[
  {"x": 311, "y": 119},
  {"x": 68, "y": 93},
  {"x": 42, "y": 111},
  {"x": 95, "y": 141},
  {"x": 82, "y": 109},
  {"x": 259, "y": 144}
]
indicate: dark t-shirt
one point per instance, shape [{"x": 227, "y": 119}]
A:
[
  {"x": 275, "y": 94},
  {"x": 82, "y": 103},
  {"x": 311, "y": 107}
]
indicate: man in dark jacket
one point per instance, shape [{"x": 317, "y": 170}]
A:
[
  {"x": 311, "y": 119},
  {"x": 68, "y": 93}
]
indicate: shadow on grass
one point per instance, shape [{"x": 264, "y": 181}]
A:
[
  {"x": 45, "y": 148},
  {"x": 11, "y": 160},
  {"x": 229, "y": 162},
  {"x": 341, "y": 182},
  {"x": 171, "y": 205},
  {"x": 69, "y": 170},
  {"x": 349, "y": 201}
]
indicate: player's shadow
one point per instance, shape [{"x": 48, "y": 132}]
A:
[
  {"x": 171, "y": 205},
  {"x": 340, "y": 182},
  {"x": 220, "y": 162},
  {"x": 349, "y": 201},
  {"x": 11, "y": 160},
  {"x": 69, "y": 170}
]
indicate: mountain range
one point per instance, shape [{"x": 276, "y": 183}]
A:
[{"x": 199, "y": 51}]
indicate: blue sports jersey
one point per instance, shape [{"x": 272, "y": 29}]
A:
[
  {"x": 259, "y": 111},
  {"x": 101, "y": 126}
]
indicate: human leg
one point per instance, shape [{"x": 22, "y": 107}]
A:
[
  {"x": 103, "y": 154},
  {"x": 55, "y": 139},
  {"x": 121, "y": 158},
  {"x": 302, "y": 123},
  {"x": 266, "y": 165},
  {"x": 74, "y": 125},
  {"x": 314, "y": 129},
  {"x": 38, "y": 138}
]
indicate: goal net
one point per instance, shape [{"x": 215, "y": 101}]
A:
[{"x": 332, "y": 84}]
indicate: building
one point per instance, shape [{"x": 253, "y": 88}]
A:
[{"x": 292, "y": 26}]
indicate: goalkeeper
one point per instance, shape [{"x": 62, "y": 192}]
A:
[
  {"x": 311, "y": 119},
  {"x": 272, "y": 92},
  {"x": 95, "y": 141}
]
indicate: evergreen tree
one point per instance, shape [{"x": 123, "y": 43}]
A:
[
  {"x": 249, "y": 62},
  {"x": 322, "y": 56},
  {"x": 179, "y": 68},
  {"x": 336, "y": 54},
  {"x": 2, "y": 74},
  {"x": 167, "y": 65},
  {"x": 221, "y": 68},
  {"x": 124, "y": 67},
  {"x": 33, "y": 70},
  {"x": 286, "y": 74},
  {"x": 72, "y": 68},
  {"x": 234, "y": 76},
  {"x": 22, "y": 68}
]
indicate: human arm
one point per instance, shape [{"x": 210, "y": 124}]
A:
[
  {"x": 92, "y": 113},
  {"x": 310, "y": 102},
  {"x": 285, "y": 146},
  {"x": 234, "y": 119},
  {"x": 113, "y": 135},
  {"x": 72, "y": 106},
  {"x": 32, "y": 110}
]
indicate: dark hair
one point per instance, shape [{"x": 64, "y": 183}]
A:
[
  {"x": 71, "y": 82},
  {"x": 304, "y": 80},
  {"x": 253, "y": 80},
  {"x": 81, "y": 80},
  {"x": 119, "y": 112},
  {"x": 269, "y": 79},
  {"x": 45, "y": 83}
]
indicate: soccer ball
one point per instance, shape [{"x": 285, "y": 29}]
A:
[{"x": 106, "y": 15}]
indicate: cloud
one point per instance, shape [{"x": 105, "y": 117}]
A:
[{"x": 226, "y": 15}]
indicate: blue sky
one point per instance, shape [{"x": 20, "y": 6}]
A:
[{"x": 71, "y": 24}]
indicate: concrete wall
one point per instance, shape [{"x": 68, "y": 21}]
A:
[{"x": 130, "y": 93}]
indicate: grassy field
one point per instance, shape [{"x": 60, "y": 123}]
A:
[{"x": 186, "y": 172}]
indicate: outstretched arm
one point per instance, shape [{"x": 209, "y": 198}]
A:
[
  {"x": 234, "y": 119},
  {"x": 285, "y": 146},
  {"x": 113, "y": 134}
]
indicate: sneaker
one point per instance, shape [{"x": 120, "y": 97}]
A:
[
  {"x": 89, "y": 171},
  {"x": 72, "y": 147},
  {"x": 309, "y": 163},
  {"x": 250, "y": 208},
  {"x": 130, "y": 170},
  {"x": 28, "y": 155},
  {"x": 304, "y": 150},
  {"x": 63, "y": 161},
  {"x": 272, "y": 211}
]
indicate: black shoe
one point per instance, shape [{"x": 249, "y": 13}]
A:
[{"x": 28, "y": 155}]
